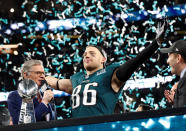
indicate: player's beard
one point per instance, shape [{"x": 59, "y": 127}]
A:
[{"x": 90, "y": 67}]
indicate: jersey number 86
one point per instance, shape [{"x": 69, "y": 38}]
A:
[{"x": 76, "y": 97}]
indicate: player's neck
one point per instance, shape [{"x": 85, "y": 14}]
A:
[{"x": 89, "y": 72}]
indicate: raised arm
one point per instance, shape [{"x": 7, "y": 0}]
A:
[
  {"x": 123, "y": 73},
  {"x": 60, "y": 84}
]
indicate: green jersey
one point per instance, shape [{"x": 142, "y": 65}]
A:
[{"x": 92, "y": 95}]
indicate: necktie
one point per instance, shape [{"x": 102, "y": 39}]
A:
[{"x": 39, "y": 97}]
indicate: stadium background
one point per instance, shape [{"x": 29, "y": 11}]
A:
[{"x": 57, "y": 31}]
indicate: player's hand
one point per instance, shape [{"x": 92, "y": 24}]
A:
[
  {"x": 51, "y": 81},
  {"x": 161, "y": 31}
]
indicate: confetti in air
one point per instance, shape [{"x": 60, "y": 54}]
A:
[{"x": 57, "y": 31}]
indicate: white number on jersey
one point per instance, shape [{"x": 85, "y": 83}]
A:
[{"x": 76, "y": 97}]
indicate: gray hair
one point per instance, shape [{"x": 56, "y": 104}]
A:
[{"x": 28, "y": 64}]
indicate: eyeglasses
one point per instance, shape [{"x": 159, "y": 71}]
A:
[{"x": 38, "y": 72}]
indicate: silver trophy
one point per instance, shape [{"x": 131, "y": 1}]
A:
[{"x": 27, "y": 89}]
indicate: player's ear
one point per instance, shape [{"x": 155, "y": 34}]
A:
[
  {"x": 25, "y": 75},
  {"x": 103, "y": 60},
  {"x": 180, "y": 58}
]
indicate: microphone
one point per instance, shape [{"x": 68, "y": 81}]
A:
[{"x": 45, "y": 86}]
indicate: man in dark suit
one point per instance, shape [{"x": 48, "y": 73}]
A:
[
  {"x": 177, "y": 62},
  {"x": 34, "y": 70}
]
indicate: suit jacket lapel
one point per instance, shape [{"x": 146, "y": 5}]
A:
[
  {"x": 180, "y": 83},
  {"x": 182, "y": 80}
]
